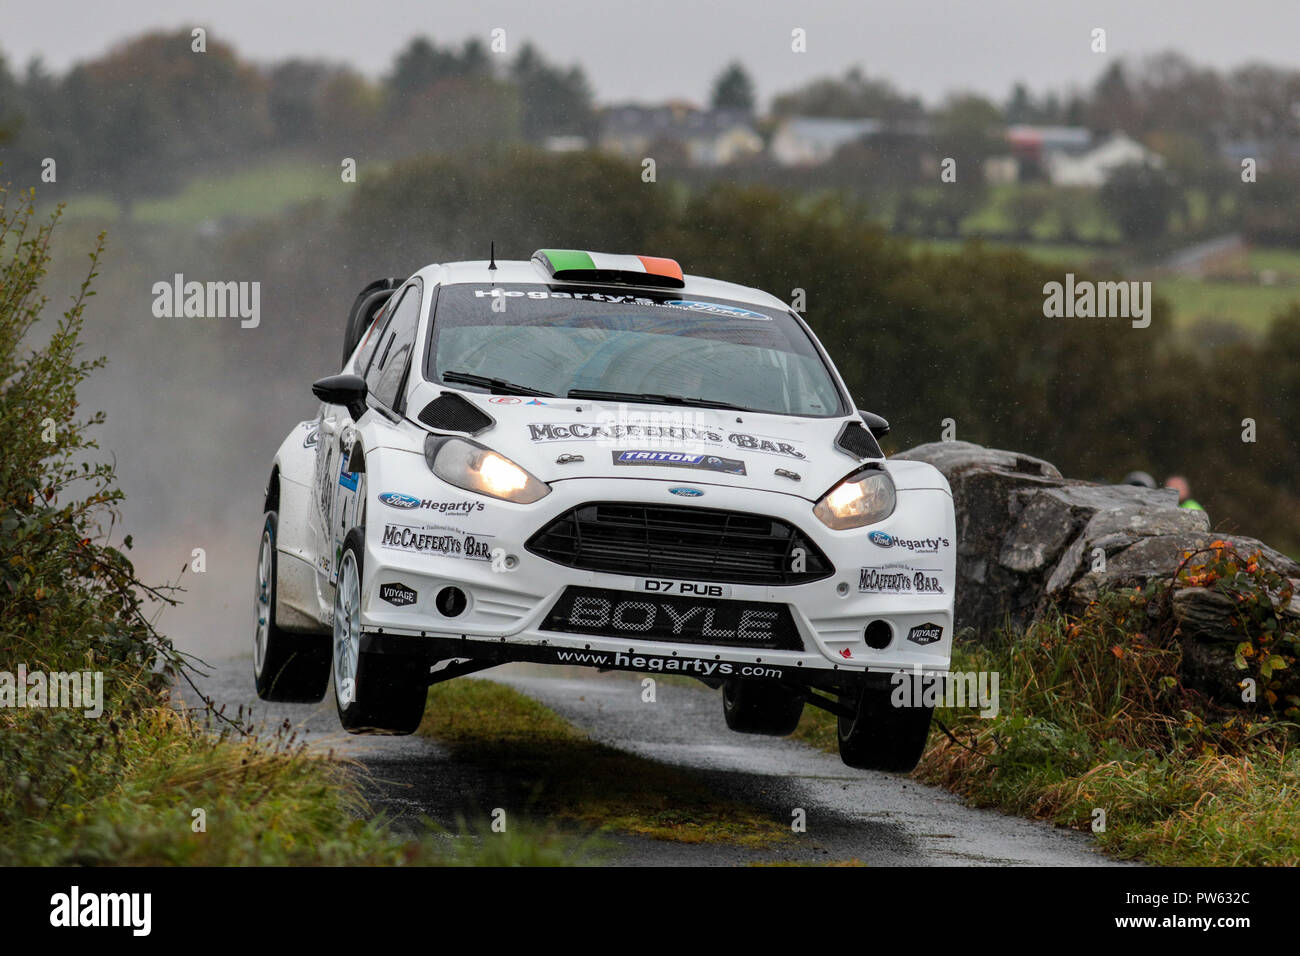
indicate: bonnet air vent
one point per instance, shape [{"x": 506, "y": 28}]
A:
[
  {"x": 455, "y": 413},
  {"x": 855, "y": 439}
]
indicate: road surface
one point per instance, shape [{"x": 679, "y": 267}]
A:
[{"x": 874, "y": 818}]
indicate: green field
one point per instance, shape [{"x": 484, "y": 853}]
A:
[
  {"x": 1246, "y": 302},
  {"x": 261, "y": 190},
  {"x": 1251, "y": 306},
  {"x": 1054, "y": 253}
]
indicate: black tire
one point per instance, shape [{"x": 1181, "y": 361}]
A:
[
  {"x": 881, "y": 736},
  {"x": 388, "y": 691},
  {"x": 754, "y": 707},
  {"x": 288, "y": 667}
]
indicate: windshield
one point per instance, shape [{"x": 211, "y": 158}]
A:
[{"x": 552, "y": 340}]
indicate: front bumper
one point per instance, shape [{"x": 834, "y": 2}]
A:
[{"x": 510, "y": 590}]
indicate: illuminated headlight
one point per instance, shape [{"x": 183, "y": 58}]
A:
[
  {"x": 475, "y": 468},
  {"x": 861, "y": 499}
]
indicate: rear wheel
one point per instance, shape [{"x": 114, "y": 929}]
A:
[
  {"x": 753, "y": 707},
  {"x": 375, "y": 693},
  {"x": 287, "y": 667},
  {"x": 880, "y": 736}
]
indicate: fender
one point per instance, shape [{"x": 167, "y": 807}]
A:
[
  {"x": 916, "y": 476},
  {"x": 299, "y": 606}
]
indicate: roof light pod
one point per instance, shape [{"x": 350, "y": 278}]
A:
[{"x": 574, "y": 265}]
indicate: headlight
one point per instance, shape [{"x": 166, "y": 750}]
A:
[
  {"x": 861, "y": 499},
  {"x": 475, "y": 468}
]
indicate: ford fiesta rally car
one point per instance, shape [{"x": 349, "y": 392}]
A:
[{"x": 596, "y": 460}]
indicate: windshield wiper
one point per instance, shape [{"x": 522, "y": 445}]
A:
[
  {"x": 652, "y": 398},
  {"x": 498, "y": 386}
]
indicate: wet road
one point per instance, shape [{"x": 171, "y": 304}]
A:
[{"x": 875, "y": 818}]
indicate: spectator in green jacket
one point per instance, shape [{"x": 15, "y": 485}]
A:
[{"x": 1185, "y": 499}]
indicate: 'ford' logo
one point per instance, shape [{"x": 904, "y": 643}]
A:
[
  {"x": 881, "y": 539},
  {"x": 686, "y": 492},
  {"x": 394, "y": 500}
]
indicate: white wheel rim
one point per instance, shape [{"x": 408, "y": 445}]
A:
[
  {"x": 262, "y": 602},
  {"x": 347, "y": 630}
]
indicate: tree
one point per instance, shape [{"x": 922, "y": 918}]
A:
[
  {"x": 555, "y": 101},
  {"x": 1141, "y": 199},
  {"x": 419, "y": 66},
  {"x": 1025, "y": 208},
  {"x": 422, "y": 65},
  {"x": 852, "y": 97},
  {"x": 733, "y": 90},
  {"x": 1112, "y": 107},
  {"x": 969, "y": 128},
  {"x": 1020, "y": 107},
  {"x": 151, "y": 112},
  {"x": 11, "y": 115}
]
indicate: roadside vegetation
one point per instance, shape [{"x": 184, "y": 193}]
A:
[
  {"x": 140, "y": 783},
  {"x": 1096, "y": 719}
]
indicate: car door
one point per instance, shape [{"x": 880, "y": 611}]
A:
[
  {"x": 329, "y": 422},
  {"x": 385, "y": 375}
]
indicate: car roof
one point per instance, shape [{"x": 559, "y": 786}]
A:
[{"x": 517, "y": 270}]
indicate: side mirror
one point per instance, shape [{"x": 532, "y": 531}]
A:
[
  {"x": 346, "y": 390},
  {"x": 875, "y": 424}
]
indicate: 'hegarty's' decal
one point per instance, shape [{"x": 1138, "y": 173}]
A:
[
  {"x": 408, "y": 502},
  {"x": 883, "y": 539}
]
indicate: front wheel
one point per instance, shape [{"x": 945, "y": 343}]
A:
[
  {"x": 375, "y": 693},
  {"x": 880, "y": 736}
]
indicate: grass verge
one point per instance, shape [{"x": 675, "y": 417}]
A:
[{"x": 1095, "y": 727}]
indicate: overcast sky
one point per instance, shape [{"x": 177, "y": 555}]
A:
[{"x": 654, "y": 49}]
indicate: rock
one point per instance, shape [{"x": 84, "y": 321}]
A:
[
  {"x": 1067, "y": 569},
  {"x": 983, "y": 482},
  {"x": 958, "y": 457},
  {"x": 1040, "y": 532},
  {"x": 1159, "y": 556},
  {"x": 1203, "y": 614},
  {"x": 1054, "y": 516},
  {"x": 1208, "y": 641},
  {"x": 1029, "y": 540}
]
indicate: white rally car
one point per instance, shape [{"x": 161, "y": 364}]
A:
[{"x": 596, "y": 460}]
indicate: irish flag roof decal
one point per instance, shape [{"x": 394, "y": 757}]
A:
[{"x": 574, "y": 265}]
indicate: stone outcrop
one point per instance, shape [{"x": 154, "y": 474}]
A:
[{"x": 1028, "y": 538}]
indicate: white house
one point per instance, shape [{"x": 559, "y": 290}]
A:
[
  {"x": 812, "y": 140},
  {"x": 709, "y": 137},
  {"x": 1093, "y": 167}
]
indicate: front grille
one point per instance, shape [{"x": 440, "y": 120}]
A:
[{"x": 682, "y": 543}]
